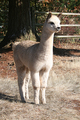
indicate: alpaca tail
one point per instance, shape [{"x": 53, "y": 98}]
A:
[{"x": 14, "y": 45}]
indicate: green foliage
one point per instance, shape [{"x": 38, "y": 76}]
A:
[
  {"x": 3, "y": 17},
  {"x": 49, "y": 5},
  {"x": 59, "y": 5}
]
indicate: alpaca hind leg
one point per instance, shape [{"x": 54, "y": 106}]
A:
[
  {"x": 43, "y": 85},
  {"x": 27, "y": 83},
  {"x": 21, "y": 82},
  {"x": 36, "y": 86}
]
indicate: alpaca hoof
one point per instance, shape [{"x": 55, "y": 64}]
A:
[
  {"x": 43, "y": 102},
  {"x": 36, "y": 101},
  {"x": 23, "y": 101},
  {"x": 27, "y": 97}
]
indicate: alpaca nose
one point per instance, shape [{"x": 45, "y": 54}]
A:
[{"x": 58, "y": 28}]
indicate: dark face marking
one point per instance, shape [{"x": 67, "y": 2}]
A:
[{"x": 52, "y": 23}]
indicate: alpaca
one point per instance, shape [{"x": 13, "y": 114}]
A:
[{"x": 36, "y": 59}]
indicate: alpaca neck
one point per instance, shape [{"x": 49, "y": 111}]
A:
[{"x": 46, "y": 42}]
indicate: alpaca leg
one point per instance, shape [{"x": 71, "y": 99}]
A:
[
  {"x": 27, "y": 83},
  {"x": 21, "y": 82},
  {"x": 43, "y": 82},
  {"x": 43, "y": 95},
  {"x": 36, "y": 86}
]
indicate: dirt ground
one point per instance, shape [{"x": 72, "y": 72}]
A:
[{"x": 62, "y": 93}]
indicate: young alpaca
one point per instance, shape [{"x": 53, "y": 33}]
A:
[{"x": 36, "y": 59}]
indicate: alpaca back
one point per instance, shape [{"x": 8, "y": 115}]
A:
[
  {"x": 26, "y": 53},
  {"x": 31, "y": 55}
]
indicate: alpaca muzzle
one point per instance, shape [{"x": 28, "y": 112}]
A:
[{"x": 58, "y": 28}]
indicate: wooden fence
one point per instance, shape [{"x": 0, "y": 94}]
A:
[{"x": 63, "y": 25}]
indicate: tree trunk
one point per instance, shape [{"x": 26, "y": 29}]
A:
[{"x": 19, "y": 24}]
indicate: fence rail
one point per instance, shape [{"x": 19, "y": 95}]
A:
[
  {"x": 67, "y": 36},
  {"x": 62, "y": 25},
  {"x": 56, "y": 13}
]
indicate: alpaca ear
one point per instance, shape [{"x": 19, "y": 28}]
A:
[
  {"x": 49, "y": 15},
  {"x": 59, "y": 15}
]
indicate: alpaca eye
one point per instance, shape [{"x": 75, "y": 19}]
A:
[{"x": 52, "y": 23}]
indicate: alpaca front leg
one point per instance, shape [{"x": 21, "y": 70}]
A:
[
  {"x": 36, "y": 86},
  {"x": 36, "y": 95},
  {"x": 44, "y": 79}
]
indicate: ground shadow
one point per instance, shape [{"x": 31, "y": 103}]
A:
[
  {"x": 9, "y": 98},
  {"x": 12, "y": 98},
  {"x": 5, "y": 50},
  {"x": 66, "y": 52},
  {"x": 56, "y": 51}
]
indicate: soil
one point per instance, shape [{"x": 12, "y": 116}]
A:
[{"x": 62, "y": 93}]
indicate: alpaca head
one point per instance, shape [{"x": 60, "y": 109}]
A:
[{"x": 53, "y": 23}]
